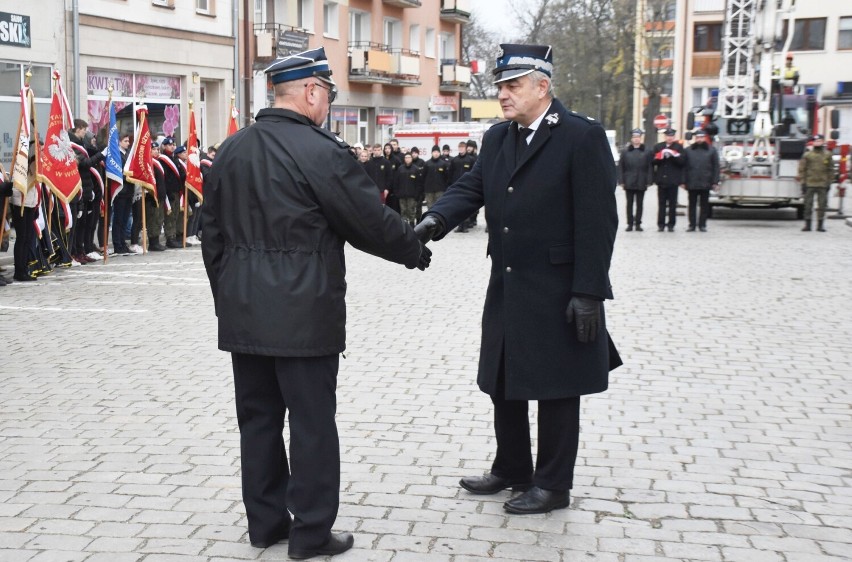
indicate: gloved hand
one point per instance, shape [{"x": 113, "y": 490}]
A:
[
  {"x": 587, "y": 314},
  {"x": 425, "y": 258},
  {"x": 428, "y": 228}
]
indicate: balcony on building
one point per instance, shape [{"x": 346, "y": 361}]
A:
[
  {"x": 454, "y": 77},
  {"x": 370, "y": 63},
  {"x": 402, "y": 3},
  {"x": 405, "y": 67},
  {"x": 455, "y": 11},
  {"x": 271, "y": 38},
  {"x": 706, "y": 65}
]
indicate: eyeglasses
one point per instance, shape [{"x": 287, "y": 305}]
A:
[{"x": 332, "y": 91}]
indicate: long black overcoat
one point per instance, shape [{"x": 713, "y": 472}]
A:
[
  {"x": 284, "y": 196},
  {"x": 551, "y": 228}
]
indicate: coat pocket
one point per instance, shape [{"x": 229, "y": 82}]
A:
[{"x": 562, "y": 253}]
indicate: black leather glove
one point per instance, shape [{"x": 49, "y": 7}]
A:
[
  {"x": 587, "y": 314},
  {"x": 428, "y": 228},
  {"x": 425, "y": 258}
]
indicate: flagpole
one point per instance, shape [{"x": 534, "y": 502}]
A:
[
  {"x": 106, "y": 185},
  {"x": 144, "y": 226},
  {"x": 185, "y": 188},
  {"x": 6, "y": 199}
]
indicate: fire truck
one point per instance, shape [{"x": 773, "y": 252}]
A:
[
  {"x": 761, "y": 119},
  {"x": 425, "y": 135}
]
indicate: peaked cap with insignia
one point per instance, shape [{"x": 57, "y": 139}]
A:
[
  {"x": 515, "y": 61},
  {"x": 301, "y": 65}
]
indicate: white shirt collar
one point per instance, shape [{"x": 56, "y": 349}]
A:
[{"x": 536, "y": 124}]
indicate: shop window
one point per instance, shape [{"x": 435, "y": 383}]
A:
[
  {"x": 844, "y": 37},
  {"x": 707, "y": 37}
]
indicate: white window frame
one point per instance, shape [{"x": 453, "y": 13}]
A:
[
  {"x": 414, "y": 38},
  {"x": 330, "y": 19},
  {"x": 447, "y": 46},
  {"x": 306, "y": 15},
  {"x": 208, "y": 9},
  {"x": 359, "y": 26},
  {"x": 429, "y": 46},
  {"x": 392, "y": 33}
]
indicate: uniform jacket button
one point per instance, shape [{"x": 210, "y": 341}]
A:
[
  {"x": 511, "y": 189},
  {"x": 508, "y": 270},
  {"x": 505, "y": 230}
]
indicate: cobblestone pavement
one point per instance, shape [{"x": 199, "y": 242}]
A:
[{"x": 725, "y": 436}]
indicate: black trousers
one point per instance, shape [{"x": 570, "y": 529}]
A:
[
  {"x": 78, "y": 227},
  {"x": 136, "y": 226},
  {"x": 634, "y": 197},
  {"x": 265, "y": 388},
  {"x": 699, "y": 198},
  {"x": 666, "y": 196},
  {"x": 93, "y": 212},
  {"x": 558, "y": 439},
  {"x": 24, "y": 237},
  {"x": 121, "y": 207}
]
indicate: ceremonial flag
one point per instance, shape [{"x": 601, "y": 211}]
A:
[
  {"x": 233, "y": 125},
  {"x": 112, "y": 160},
  {"x": 193, "y": 161},
  {"x": 24, "y": 140},
  {"x": 139, "y": 167},
  {"x": 58, "y": 163}
]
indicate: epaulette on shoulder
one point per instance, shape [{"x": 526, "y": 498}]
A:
[
  {"x": 586, "y": 118},
  {"x": 331, "y": 136}
]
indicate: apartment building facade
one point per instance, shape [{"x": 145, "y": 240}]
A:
[
  {"x": 821, "y": 47},
  {"x": 395, "y": 62}
]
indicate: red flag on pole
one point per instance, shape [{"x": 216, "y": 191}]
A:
[
  {"x": 233, "y": 124},
  {"x": 193, "y": 161},
  {"x": 58, "y": 165},
  {"x": 139, "y": 168}
]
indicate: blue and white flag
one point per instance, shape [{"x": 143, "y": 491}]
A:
[{"x": 114, "y": 171}]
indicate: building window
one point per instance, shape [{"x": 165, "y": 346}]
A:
[
  {"x": 707, "y": 37},
  {"x": 446, "y": 46},
  {"x": 164, "y": 3},
  {"x": 306, "y": 15},
  {"x": 359, "y": 27},
  {"x": 330, "y": 19},
  {"x": 414, "y": 38},
  {"x": 844, "y": 37},
  {"x": 665, "y": 11},
  {"x": 393, "y": 33},
  {"x": 207, "y": 7},
  {"x": 808, "y": 34},
  {"x": 429, "y": 47}
]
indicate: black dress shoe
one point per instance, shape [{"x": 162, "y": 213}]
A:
[
  {"x": 538, "y": 500},
  {"x": 671, "y": 229},
  {"x": 337, "y": 543},
  {"x": 638, "y": 228},
  {"x": 282, "y": 535},
  {"x": 491, "y": 484}
]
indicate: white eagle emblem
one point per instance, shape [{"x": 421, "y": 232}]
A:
[
  {"x": 60, "y": 149},
  {"x": 193, "y": 157},
  {"x": 552, "y": 119}
]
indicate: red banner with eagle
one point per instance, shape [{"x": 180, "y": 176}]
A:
[
  {"x": 193, "y": 161},
  {"x": 139, "y": 168},
  {"x": 58, "y": 161}
]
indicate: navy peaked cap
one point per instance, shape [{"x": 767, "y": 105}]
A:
[
  {"x": 301, "y": 65},
  {"x": 637, "y": 132},
  {"x": 515, "y": 61}
]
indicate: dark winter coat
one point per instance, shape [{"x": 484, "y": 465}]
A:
[
  {"x": 702, "y": 166},
  {"x": 408, "y": 182},
  {"x": 668, "y": 162},
  {"x": 634, "y": 168},
  {"x": 459, "y": 166},
  {"x": 175, "y": 173},
  {"x": 284, "y": 196},
  {"x": 551, "y": 228},
  {"x": 86, "y": 160},
  {"x": 435, "y": 175},
  {"x": 381, "y": 171}
]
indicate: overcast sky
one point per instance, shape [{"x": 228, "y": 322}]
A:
[{"x": 494, "y": 15}]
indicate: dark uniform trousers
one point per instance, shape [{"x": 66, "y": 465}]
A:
[
  {"x": 637, "y": 196},
  {"x": 666, "y": 195},
  {"x": 699, "y": 201},
  {"x": 265, "y": 388},
  {"x": 558, "y": 439}
]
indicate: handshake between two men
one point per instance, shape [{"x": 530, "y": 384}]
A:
[{"x": 585, "y": 312}]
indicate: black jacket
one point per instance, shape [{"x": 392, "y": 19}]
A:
[
  {"x": 702, "y": 166},
  {"x": 408, "y": 182},
  {"x": 552, "y": 222},
  {"x": 634, "y": 168},
  {"x": 284, "y": 196},
  {"x": 668, "y": 162},
  {"x": 86, "y": 160},
  {"x": 436, "y": 172},
  {"x": 175, "y": 173},
  {"x": 381, "y": 171},
  {"x": 459, "y": 166}
]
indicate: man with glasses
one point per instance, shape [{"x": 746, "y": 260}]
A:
[{"x": 283, "y": 198}]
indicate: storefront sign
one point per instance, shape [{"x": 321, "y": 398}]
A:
[
  {"x": 386, "y": 119},
  {"x": 291, "y": 42},
  {"x": 150, "y": 86},
  {"x": 14, "y": 30},
  {"x": 99, "y": 81},
  {"x": 443, "y": 103}
]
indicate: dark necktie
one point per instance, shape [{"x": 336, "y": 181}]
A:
[{"x": 523, "y": 133}]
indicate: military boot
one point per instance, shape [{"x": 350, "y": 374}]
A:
[
  {"x": 820, "y": 227},
  {"x": 807, "y": 227}
]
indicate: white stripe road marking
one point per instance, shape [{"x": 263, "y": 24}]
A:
[{"x": 60, "y": 309}]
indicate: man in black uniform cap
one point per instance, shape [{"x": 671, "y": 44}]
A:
[
  {"x": 284, "y": 196},
  {"x": 668, "y": 160},
  {"x": 547, "y": 180}
]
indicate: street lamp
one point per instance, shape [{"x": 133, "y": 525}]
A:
[{"x": 600, "y": 107}]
